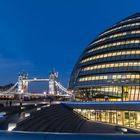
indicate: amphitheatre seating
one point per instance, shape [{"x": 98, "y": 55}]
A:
[
  {"x": 16, "y": 109},
  {"x": 56, "y": 118},
  {"x": 13, "y": 109},
  {"x": 10, "y": 110}
]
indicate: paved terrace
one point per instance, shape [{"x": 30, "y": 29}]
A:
[
  {"x": 58, "y": 118},
  {"x": 62, "y": 119}
]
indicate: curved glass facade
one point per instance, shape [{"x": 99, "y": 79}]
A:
[{"x": 109, "y": 68}]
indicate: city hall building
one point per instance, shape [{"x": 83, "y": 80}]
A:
[
  {"x": 109, "y": 68},
  {"x": 108, "y": 71}
]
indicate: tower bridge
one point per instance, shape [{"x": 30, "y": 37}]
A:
[{"x": 54, "y": 87}]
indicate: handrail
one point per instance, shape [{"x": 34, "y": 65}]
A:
[{"x": 5, "y": 135}]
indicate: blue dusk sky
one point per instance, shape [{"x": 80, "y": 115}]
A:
[{"x": 37, "y": 36}]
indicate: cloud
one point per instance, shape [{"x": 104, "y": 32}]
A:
[{"x": 11, "y": 63}]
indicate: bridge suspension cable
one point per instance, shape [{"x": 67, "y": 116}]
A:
[
  {"x": 11, "y": 89},
  {"x": 63, "y": 88}
]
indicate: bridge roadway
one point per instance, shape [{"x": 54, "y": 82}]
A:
[
  {"x": 35, "y": 94},
  {"x": 36, "y": 80}
]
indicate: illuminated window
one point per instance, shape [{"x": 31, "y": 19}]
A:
[
  {"x": 109, "y": 54},
  {"x": 120, "y": 27},
  {"x": 115, "y": 76},
  {"x": 114, "y": 44},
  {"x": 111, "y": 65}
]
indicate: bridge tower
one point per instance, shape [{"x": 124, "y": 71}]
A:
[
  {"x": 53, "y": 76},
  {"x": 22, "y": 83}
]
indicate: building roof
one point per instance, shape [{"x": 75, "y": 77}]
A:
[{"x": 128, "y": 106}]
